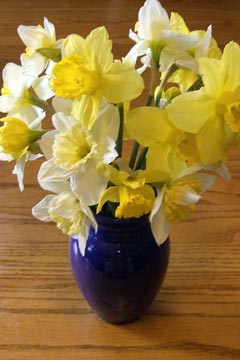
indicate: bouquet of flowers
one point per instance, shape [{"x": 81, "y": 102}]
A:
[{"x": 180, "y": 136}]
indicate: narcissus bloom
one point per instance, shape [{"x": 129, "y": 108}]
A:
[
  {"x": 18, "y": 142},
  {"x": 70, "y": 214},
  {"x": 213, "y": 112},
  {"x": 151, "y": 128},
  {"x": 131, "y": 191},
  {"x": 88, "y": 69},
  {"x": 165, "y": 37},
  {"x": 16, "y": 137},
  {"x": 77, "y": 150},
  {"x": 16, "y": 99},
  {"x": 42, "y": 48},
  {"x": 177, "y": 199}
]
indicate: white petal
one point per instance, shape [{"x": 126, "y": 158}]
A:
[
  {"x": 222, "y": 171},
  {"x": 34, "y": 65},
  {"x": 26, "y": 112},
  {"x": 46, "y": 143},
  {"x": 19, "y": 171},
  {"x": 7, "y": 103},
  {"x": 5, "y": 157},
  {"x": 189, "y": 171},
  {"x": 106, "y": 123},
  {"x": 50, "y": 28},
  {"x": 62, "y": 105},
  {"x": 35, "y": 37},
  {"x": 88, "y": 186},
  {"x": 52, "y": 178},
  {"x": 62, "y": 122},
  {"x": 42, "y": 88},
  {"x": 14, "y": 80},
  {"x": 82, "y": 237},
  {"x": 152, "y": 19},
  {"x": 159, "y": 225},
  {"x": 40, "y": 211},
  {"x": 185, "y": 196},
  {"x": 204, "y": 44},
  {"x": 106, "y": 151}
]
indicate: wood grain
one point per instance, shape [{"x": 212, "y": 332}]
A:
[{"x": 43, "y": 316}]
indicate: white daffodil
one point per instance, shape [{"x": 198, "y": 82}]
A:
[
  {"x": 70, "y": 214},
  {"x": 42, "y": 48},
  {"x": 156, "y": 32},
  {"x": 177, "y": 199},
  {"x": 16, "y": 99},
  {"x": 77, "y": 150}
]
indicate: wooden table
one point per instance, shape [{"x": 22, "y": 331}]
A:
[{"x": 42, "y": 314}]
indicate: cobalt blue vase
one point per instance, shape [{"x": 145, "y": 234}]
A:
[{"x": 122, "y": 269}]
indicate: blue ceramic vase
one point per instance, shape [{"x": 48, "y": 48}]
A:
[{"x": 122, "y": 269}]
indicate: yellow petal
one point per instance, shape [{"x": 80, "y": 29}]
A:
[
  {"x": 111, "y": 194},
  {"x": 74, "y": 44},
  {"x": 99, "y": 46},
  {"x": 121, "y": 83},
  {"x": 163, "y": 157},
  {"x": 211, "y": 141},
  {"x": 153, "y": 176},
  {"x": 112, "y": 174},
  {"x": 178, "y": 24},
  {"x": 190, "y": 111},
  {"x": 135, "y": 202},
  {"x": 148, "y": 125},
  {"x": 231, "y": 59},
  {"x": 214, "y": 74}
]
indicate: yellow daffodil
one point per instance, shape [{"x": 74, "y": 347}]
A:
[
  {"x": 18, "y": 142},
  {"x": 213, "y": 112},
  {"x": 16, "y": 137},
  {"x": 150, "y": 127},
  {"x": 88, "y": 69},
  {"x": 131, "y": 191}
]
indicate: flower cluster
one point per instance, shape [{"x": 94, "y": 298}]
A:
[{"x": 180, "y": 137}]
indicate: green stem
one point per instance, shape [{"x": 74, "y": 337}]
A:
[
  {"x": 141, "y": 160},
  {"x": 163, "y": 82},
  {"x": 196, "y": 85},
  {"x": 35, "y": 100},
  {"x": 134, "y": 154},
  {"x": 42, "y": 105},
  {"x": 119, "y": 142}
]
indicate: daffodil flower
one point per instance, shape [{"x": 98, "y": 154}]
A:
[
  {"x": 16, "y": 99},
  {"x": 77, "y": 150},
  {"x": 130, "y": 190},
  {"x": 150, "y": 127},
  {"x": 177, "y": 199},
  {"x": 87, "y": 68},
  {"x": 213, "y": 112},
  {"x": 42, "y": 48},
  {"x": 155, "y": 31},
  {"x": 70, "y": 214},
  {"x": 17, "y": 139}
]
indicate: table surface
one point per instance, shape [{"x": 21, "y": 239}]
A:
[{"x": 42, "y": 314}]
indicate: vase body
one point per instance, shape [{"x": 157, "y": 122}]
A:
[{"x": 122, "y": 268}]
